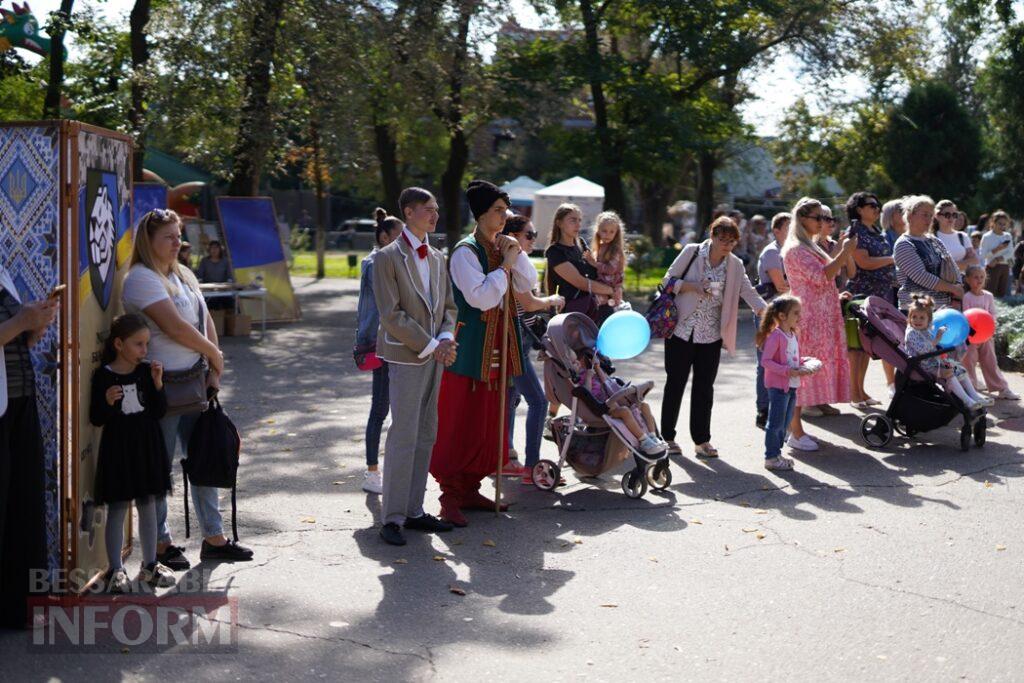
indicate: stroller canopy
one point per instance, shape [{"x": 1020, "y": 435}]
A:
[{"x": 569, "y": 333}]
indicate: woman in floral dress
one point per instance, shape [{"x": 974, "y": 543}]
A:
[{"x": 811, "y": 274}]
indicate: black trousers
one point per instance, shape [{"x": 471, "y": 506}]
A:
[
  {"x": 22, "y": 507},
  {"x": 682, "y": 356}
]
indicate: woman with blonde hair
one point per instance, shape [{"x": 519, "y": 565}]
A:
[
  {"x": 570, "y": 273},
  {"x": 812, "y": 273},
  {"x": 183, "y": 338}
]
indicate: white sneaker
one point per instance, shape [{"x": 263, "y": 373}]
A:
[
  {"x": 1007, "y": 395},
  {"x": 778, "y": 463},
  {"x": 157, "y": 576},
  {"x": 804, "y": 443},
  {"x": 986, "y": 401},
  {"x": 372, "y": 482}
]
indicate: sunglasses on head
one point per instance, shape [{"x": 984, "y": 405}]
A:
[{"x": 874, "y": 205}]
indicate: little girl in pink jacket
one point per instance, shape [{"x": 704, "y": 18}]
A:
[{"x": 783, "y": 368}]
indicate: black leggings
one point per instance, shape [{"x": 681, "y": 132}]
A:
[{"x": 680, "y": 356}]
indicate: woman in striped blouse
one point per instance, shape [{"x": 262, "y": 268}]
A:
[{"x": 923, "y": 266}]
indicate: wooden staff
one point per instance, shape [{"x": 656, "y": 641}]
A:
[{"x": 504, "y": 393}]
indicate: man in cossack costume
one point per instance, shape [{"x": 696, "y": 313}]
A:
[{"x": 469, "y": 407}]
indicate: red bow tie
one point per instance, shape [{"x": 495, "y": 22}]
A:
[{"x": 421, "y": 250}]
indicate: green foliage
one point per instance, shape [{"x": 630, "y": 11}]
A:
[
  {"x": 932, "y": 144},
  {"x": 21, "y": 88},
  {"x": 1000, "y": 84},
  {"x": 1010, "y": 314}
]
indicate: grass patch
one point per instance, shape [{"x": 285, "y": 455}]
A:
[{"x": 336, "y": 265}]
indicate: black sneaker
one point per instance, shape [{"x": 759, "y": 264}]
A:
[
  {"x": 428, "y": 523},
  {"x": 392, "y": 534},
  {"x": 761, "y": 421},
  {"x": 174, "y": 558},
  {"x": 229, "y": 552}
]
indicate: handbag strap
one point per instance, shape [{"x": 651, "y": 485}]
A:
[
  {"x": 686, "y": 270},
  {"x": 184, "y": 478}
]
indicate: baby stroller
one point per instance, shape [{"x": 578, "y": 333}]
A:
[
  {"x": 919, "y": 403},
  {"x": 590, "y": 440}
]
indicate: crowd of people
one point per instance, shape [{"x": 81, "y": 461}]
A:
[
  {"x": 797, "y": 271},
  {"x": 449, "y": 344}
]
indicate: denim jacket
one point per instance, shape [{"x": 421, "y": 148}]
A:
[{"x": 368, "y": 317}]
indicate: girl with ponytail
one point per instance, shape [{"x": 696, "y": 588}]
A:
[{"x": 387, "y": 231}]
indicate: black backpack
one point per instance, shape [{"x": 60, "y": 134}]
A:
[{"x": 213, "y": 456}]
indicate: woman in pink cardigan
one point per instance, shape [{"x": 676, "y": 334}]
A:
[
  {"x": 708, "y": 281},
  {"x": 812, "y": 278}
]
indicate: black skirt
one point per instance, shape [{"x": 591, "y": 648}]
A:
[{"x": 132, "y": 461}]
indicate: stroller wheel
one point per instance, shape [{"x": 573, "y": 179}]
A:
[
  {"x": 634, "y": 484},
  {"x": 876, "y": 430},
  {"x": 546, "y": 475},
  {"x": 979, "y": 432},
  {"x": 659, "y": 476},
  {"x": 965, "y": 438}
]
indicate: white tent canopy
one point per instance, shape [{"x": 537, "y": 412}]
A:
[
  {"x": 521, "y": 190},
  {"x": 587, "y": 195}
]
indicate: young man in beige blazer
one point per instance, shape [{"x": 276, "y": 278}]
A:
[{"x": 417, "y": 340}]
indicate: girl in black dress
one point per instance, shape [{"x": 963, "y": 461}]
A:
[{"x": 128, "y": 401}]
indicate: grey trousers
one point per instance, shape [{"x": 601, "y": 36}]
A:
[{"x": 413, "y": 393}]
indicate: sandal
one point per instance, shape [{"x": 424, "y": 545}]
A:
[{"x": 706, "y": 450}]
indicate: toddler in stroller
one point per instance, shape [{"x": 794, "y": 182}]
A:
[
  {"x": 609, "y": 420},
  {"x": 918, "y": 341},
  {"x": 921, "y": 401}
]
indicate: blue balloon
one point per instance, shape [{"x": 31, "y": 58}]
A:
[
  {"x": 957, "y": 327},
  {"x": 623, "y": 335}
]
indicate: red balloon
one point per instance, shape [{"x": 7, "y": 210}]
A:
[{"x": 983, "y": 325}]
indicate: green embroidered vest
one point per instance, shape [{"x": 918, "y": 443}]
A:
[{"x": 477, "y": 329}]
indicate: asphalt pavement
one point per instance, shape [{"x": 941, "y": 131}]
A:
[{"x": 898, "y": 564}]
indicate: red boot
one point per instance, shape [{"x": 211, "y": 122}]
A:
[
  {"x": 472, "y": 499},
  {"x": 450, "y": 505}
]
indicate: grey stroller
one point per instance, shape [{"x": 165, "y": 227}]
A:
[{"x": 589, "y": 439}]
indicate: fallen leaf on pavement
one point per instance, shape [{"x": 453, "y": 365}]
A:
[
  {"x": 401, "y": 561},
  {"x": 578, "y": 541},
  {"x": 988, "y": 484},
  {"x": 438, "y": 558},
  {"x": 490, "y": 544},
  {"x": 271, "y": 421},
  {"x": 456, "y": 590},
  {"x": 749, "y": 530},
  {"x": 337, "y": 483},
  {"x": 609, "y": 604},
  {"x": 744, "y": 503},
  {"x": 760, "y": 512},
  {"x": 308, "y": 520},
  {"x": 760, "y": 536},
  {"x": 652, "y": 559},
  {"x": 839, "y": 550},
  {"x": 1000, "y": 547},
  {"x": 696, "y": 521}
]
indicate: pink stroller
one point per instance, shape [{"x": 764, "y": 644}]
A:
[
  {"x": 919, "y": 404},
  {"x": 590, "y": 440}
]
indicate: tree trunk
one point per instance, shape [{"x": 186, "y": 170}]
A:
[
  {"x": 654, "y": 204},
  {"x": 614, "y": 194},
  {"x": 140, "y": 59},
  {"x": 321, "y": 193},
  {"x": 255, "y": 126},
  {"x": 54, "y": 89},
  {"x": 451, "y": 187},
  {"x": 452, "y": 116},
  {"x": 387, "y": 156},
  {"x": 707, "y": 162}
]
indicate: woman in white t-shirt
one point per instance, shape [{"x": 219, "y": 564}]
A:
[
  {"x": 957, "y": 242},
  {"x": 182, "y": 332}
]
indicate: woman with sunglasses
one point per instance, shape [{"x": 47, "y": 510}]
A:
[
  {"x": 876, "y": 276},
  {"x": 527, "y": 385},
  {"x": 923, "y": 266},
  {"x": 812, "y": 273},
  {"x": 708, "y": 283},
  {"x": 957, "y": 243}
]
